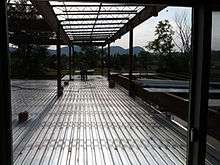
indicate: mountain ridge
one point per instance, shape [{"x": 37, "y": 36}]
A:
[{"x": 113, "y": 49}]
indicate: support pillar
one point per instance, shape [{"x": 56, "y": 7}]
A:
[
  {"x": 73, "y": 60},
  {"x": 102, "y": 62},
  {"x": 108, "y": 62},
  {"x": 131, "y": 89},
  {"x": 198, "y": 112},
  {"x": 5, "y": 90},
  {"x": 59, "y": 87},
  {"x": 70, "y": 63}
]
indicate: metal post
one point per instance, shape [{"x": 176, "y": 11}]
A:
[
  {"x": 108, "y": 61},
  {"x": 201, "y": 48},
  {"x": 73, "y": 60},
  {"x": 59, "y": 87},
  {"x": 70, "y": 63},
  {"x": 5, "y": 90},
  {"x": 131, "y": 90},
  {"x": 102, "y": 62}
]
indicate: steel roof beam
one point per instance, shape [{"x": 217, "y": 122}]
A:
[
  {"x": 105, "y": 5},
  {"x": 89, "y": 34},
  {"x": 90, "y": 24},
  {"x": 88, "y": 43},
  {"x": 72, "y": 14},
  {"x": 89, "y": 31},
  {"x": 93, "y": 19},
  {"x": 101, "y": 12},
  {"x": 88, "y": 39},
  {"x": 87, "y": 28}
]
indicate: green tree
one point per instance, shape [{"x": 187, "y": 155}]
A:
[{"x": 162, "y": 45}]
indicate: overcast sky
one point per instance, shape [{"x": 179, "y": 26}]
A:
[
  {"x": 145, "y": 32},
  {"x": 216, "y": 31}
]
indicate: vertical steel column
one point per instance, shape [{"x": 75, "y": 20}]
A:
[
  {"x": 59, "y": 87},
  {"x": 73, "y": 60},
  {"x": 201, "y": 48},
  {"x": 70, "y": 63},
  {"x": 131, "y": 89},
  {"x": 102, "y": 62},
  {"x": 5, "y": 91},
  {"x": 108, "y": 58}
]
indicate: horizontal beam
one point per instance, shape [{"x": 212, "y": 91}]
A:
[
  {"x": 90, "y": 31},
  {"x": 89, "y": 36},
  {"x": 91, "y": 24},
  {"x": 101, "y": 13},
  {"x": 89, "y": 39},
  {"x": 88, "y": 5},
  {"x": 93, "y": 19},
  {"x": 79, "y": 43},
  {"x": 96, "y": 28}
]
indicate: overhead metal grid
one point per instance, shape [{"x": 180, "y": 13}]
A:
[
  {"x": 93, "y": 22},
  {"x": 83, "y": 23}
]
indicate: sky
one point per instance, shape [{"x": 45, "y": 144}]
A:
[
  {"x": 216, "y": 30},
  {"x": 145, "y": 31}
]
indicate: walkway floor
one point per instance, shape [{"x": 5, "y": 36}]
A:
[{"x": 90, "y": 124}]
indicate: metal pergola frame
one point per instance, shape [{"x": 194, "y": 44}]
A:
[{"x": 201, "y": 48}]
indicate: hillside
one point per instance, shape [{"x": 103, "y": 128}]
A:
[
  {"x": 113, "y": 49},
  {"x": 120, "y": 50}
]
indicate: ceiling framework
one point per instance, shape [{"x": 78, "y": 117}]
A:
[
  {"x": 99, "y": 23},
  {"x": 102, "y": 22}
]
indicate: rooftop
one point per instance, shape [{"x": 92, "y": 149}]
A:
[{"x": 91, "y": 124}]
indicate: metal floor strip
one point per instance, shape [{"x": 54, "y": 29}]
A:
[{"x": 89, "y": 125}]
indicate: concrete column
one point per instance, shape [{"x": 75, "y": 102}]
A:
[
  {"x": 59, "y": 87},
  {"x": 108, "y": 61},
  {"x": 131, "y": 86},
  {"x": 199, "y": 95},
  {"x": 5, "y": 91},
  {"x": 70, "y": 63}
]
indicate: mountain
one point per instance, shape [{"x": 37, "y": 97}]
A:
[
  {"x": 113, "y": 49},
  {"x": 64, "y": 50},
  {"x": 120, "y": 50}
]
